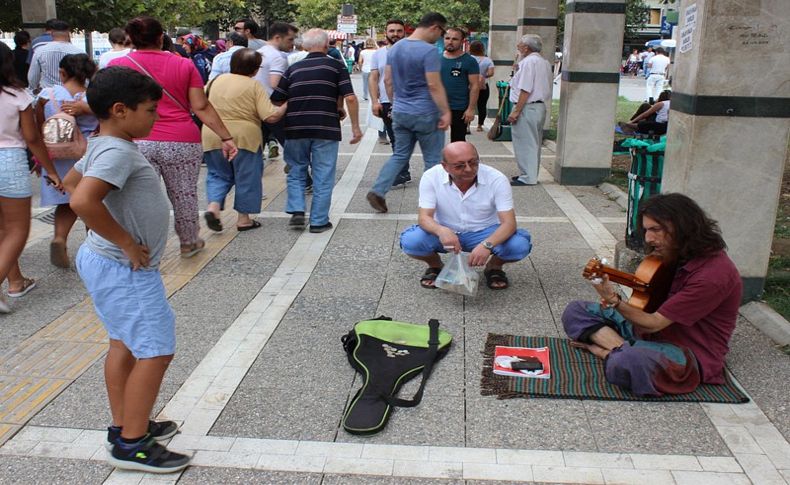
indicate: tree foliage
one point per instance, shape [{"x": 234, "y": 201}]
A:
[
  {"x": 102, "y": 15},
  {"x": 636, "y": 16},
  {"x": 472, "y": 15}
]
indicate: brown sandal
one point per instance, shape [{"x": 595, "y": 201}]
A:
[
  {"x": 189, "y": 250},
  {"x": 428, "y": 278}
]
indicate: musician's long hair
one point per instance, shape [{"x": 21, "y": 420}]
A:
[{"x": 694, "y": 233}]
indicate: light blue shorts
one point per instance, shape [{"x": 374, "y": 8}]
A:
[
  {"x": 14, "y": 174},
  {"x": 132, "y": 304}
]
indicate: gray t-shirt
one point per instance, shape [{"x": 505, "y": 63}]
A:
[
  {"x": 378, "y": 63},
  {"x": 409, "y": 61},
  {"x": 137, "y": 201}
]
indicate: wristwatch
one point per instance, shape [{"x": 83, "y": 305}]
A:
[{"x": 488, "y": 245}]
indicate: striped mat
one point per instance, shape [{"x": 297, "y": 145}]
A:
[{"x": 577, "y": 374}]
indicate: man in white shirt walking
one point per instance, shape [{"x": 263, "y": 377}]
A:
[
  {"x": 466, "y": 206},
  {"x": 275, "y": 61},
  {"x": 530, "y": 92},
  {"x": 657, "y": 69}
]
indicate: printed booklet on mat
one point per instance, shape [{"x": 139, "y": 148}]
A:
[{"x": 522, "y": 362}]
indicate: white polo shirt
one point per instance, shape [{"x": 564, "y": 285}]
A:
[{"x": 473, "y": 211}]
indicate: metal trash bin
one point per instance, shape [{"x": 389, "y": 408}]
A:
[
  {"x": 644, "y": 181},
  {"x": 503, "y": 87}
]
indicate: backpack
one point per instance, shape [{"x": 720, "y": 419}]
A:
[
  {"x": 388, "y": 354},
  {"x": 62, "y": 135}
]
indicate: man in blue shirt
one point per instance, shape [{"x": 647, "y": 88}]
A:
[
  {"x": 221, "y": 62},
  {"x": 419, "y": 103},
  {"x": 461, "y": 79}
]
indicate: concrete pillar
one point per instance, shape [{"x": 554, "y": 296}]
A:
[
  {"x": 591, "y": 54},
  {"x": 729, "y": 123},
  {"x": 510, "y": 19},
  {"x": 35, "y": 13},
  {"x": 540, "y": 17},
  {"x": 502, "y": 38}
]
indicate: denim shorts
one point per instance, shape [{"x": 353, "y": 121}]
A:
[
  {"x": 132, "y": 304},
  {"x": 14, "y": 174}
]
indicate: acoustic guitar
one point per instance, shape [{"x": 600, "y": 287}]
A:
[{"x": 650, "y": 283}]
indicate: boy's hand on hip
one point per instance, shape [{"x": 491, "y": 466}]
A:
[{"x": 138, "y": 255}]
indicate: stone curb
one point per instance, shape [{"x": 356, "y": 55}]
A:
[
  {"x": 551, "y": 145},
  {"x": 762, "y": 316},
  {"x": 615, "y": 193},
  {"x": 768, "y": 321}
]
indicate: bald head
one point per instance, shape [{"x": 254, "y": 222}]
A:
[{"x": 458, "y": 152}]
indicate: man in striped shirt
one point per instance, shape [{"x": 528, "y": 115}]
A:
[
  {"x": 45, "y": 65},
  {"x": 314, "y": 89}
]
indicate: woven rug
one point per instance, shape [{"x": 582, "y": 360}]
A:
[{"x": 577, "y": 374}]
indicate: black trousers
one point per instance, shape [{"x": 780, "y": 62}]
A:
[
  {"x": 482, "y": 105},
  {"x": 457, "y": 126},
  {"x": 386, "y": 116}
]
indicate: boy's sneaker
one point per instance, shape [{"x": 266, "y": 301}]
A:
[
  {"x": 158, "y": 430},
  {"x": 147, "y": 455}
]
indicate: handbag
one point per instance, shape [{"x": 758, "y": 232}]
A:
[
  {"x": 496, "y": 128},
  {"x": 62, "y": 135}
]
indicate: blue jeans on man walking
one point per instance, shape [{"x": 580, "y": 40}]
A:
[
  {"x": 410, "y": 129},
  {"x": 321, "y": 156}
]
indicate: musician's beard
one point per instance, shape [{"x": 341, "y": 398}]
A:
[{"x": 665, "y": 254}]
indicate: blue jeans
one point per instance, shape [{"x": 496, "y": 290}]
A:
[
  {"x": 415, "y": 241},
  {"x": 245, "y": 172},
  {"x": 321, "y": 156},
  {"x": 410, "y": 129}
]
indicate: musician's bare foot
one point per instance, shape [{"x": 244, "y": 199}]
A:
[{"x": 596, "y": 350}]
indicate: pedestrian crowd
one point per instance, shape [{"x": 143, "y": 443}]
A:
[{"x": 103, "y": 136}]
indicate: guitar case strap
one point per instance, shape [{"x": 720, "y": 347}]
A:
[{"x": 388, "y": 354}]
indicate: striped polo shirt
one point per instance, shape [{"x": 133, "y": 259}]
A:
[
  {"x": 312, "y": 87},
  {"x": 44, "y": 69}
]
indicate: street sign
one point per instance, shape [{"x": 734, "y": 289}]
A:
[{"x": 347, "y": 24}]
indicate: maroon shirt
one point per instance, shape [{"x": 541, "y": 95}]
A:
[{"x": 703, "y": 305}]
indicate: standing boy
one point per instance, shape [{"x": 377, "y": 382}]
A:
[{"x": 117, "y": 193}]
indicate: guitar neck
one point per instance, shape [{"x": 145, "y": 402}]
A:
[{"x": 623, "y": 278}]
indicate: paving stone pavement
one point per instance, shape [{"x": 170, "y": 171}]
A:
[{"x": 260, "y": 380}]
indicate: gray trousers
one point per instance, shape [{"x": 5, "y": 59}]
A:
[{"x": 527, "y": 134}]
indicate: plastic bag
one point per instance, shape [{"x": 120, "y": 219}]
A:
[{"x": 457, "y": 276}]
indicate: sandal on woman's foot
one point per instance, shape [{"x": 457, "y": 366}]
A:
[
  {"x": 496, "y": 279},
  {"x": 189, "y": 250},
  {"x": 58, "y": 255},
  {"x": 212, "y": 221},
  {"x": 429, "y": 277},
  {"x": 27, "y": 285},
  {"x": 253, "y": 225}
]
